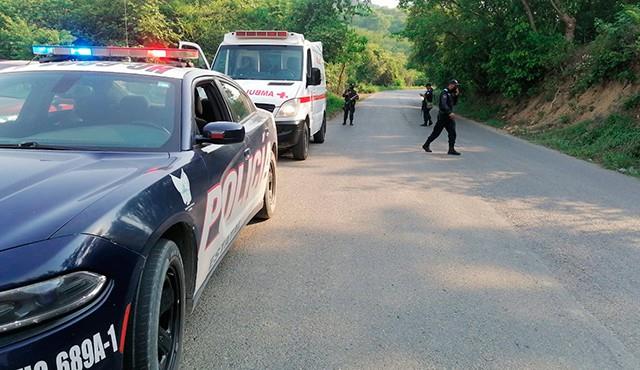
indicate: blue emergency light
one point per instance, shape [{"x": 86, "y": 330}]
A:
[
  {"x": 42, "y": 50},
  {"x": 80, "y": 51}
]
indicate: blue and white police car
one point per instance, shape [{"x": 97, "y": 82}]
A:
[{"x": 122, "y": 186}]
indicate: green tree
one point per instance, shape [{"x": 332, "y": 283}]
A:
[{"x": 18, "y": 36}]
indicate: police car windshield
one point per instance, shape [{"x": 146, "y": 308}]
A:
[
  {"x": 93, "y": 111},
  {"x": 260, "y": 62}
]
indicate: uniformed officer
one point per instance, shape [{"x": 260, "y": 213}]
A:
[
  {"x": 427, "y": 105},
  {"x": 350, "y": 96},
  {"x": 446, "y": 118}
]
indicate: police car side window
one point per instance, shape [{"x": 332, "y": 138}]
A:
[
  {"x": 206, "y": 105},
  {"x": 239, "y": 104}
]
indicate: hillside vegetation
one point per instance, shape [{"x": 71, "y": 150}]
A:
[
  {"x": 358, "y": 45},
  {"x": 563, "y": 73}
]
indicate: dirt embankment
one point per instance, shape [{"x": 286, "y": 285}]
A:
[{"x": 560, "y": 106}]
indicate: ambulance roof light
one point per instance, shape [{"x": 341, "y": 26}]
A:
[{"x": 261, "y": 34}]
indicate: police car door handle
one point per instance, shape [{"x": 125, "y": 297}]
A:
[{"x": 247, "y": 153}]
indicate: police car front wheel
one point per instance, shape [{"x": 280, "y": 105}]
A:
[{"x": 159, "y": 310}]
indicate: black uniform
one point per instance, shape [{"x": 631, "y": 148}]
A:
[
  {"x": 427, "y": 105},
  {"x": 447, "y": 101},
  {"x": 350, "y": 96}
]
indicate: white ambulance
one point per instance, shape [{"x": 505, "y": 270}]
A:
[{"x": 284, "y": 74}]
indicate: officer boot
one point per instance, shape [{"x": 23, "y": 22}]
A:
[
  {"x": 426, "y": 147},
  {"x": 452, "y": 151}
]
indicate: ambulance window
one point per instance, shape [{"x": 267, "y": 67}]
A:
[
  {"x": 239, "y": 104},
  {"x": 261, "y": 62}
]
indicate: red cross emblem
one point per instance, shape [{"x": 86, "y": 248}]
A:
[{"x": 282, "y": 95}]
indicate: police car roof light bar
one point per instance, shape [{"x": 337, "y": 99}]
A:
[
  {"x": 262, "y": 34},
  {"x": 114, "y": 51}
]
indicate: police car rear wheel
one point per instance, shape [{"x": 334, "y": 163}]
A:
[
  {"x": 318, "y": 137},
  {"x": 270, "y": 193},
  {"x": 159, "y": 313},
  {"x": 301, "y": 149}
]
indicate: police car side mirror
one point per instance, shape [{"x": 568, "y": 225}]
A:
[
  {"x": 221, "y": 133},
  {"x": 315, "y": 78}
]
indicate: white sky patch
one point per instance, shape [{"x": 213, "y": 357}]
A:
[{"x": 387, "y": 3}]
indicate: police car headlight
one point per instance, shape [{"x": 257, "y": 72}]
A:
[
  {"x": 37, "y": 302},
  {"x": 289, "y": 109}
]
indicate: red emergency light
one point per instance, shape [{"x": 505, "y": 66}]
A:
[{"x": 261, "y": 34}]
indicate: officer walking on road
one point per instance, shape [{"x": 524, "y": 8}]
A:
[
  {"x": 350, "y": 96},
  {"x": 427, "y": 105},
  {"x": 446, "y": 118}
]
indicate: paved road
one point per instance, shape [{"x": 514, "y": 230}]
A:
[{"x": 383, "y": 256}]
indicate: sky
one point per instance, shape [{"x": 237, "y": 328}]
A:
[{"x": 387, "y": 3}]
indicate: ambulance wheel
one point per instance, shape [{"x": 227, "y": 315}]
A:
[
  {"x": 318, "y": 137},
  {"x": 158, "y": 317},
  {"x": 301, "y": 149},
  {"x": 270, "y": 193}
]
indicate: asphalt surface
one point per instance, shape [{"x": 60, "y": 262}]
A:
[{"x": 384, "y": 256}]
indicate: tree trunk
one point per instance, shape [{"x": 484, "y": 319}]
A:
[
  {"x": 568, "y": 20},
  {"x": 340, "y": 76},
  {"x": 527, "y": 9}
]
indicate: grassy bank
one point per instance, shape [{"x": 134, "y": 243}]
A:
[
  {"x": 613, "y": 142},
  {"x": 334, "y": 104},
  {"x": 479, "y": 110}
]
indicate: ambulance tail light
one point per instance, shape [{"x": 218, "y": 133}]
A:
[
  {"x": 261, "y": 34},
  {"x": 114, "y": 51}
]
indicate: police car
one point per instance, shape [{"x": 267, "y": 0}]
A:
[
  {"x": 123, "y": 185},
  {"x": 283, "y": 73}
]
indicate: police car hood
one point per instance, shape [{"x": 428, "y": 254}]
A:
[
  {"x": 40, "y": 190},
  {"x": 271, "y": 92}
]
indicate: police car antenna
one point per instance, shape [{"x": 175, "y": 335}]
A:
[{"x": 126, "y": 25}]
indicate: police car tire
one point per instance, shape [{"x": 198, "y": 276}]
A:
[
  {"x": 318, "y": 137},
  {"x": 301, "y": 149},
  {"x": 269, "y": 199},
  {"x": 164, "y": 257}
]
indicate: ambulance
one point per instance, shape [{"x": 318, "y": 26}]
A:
[{"x": 282, "y": 73}]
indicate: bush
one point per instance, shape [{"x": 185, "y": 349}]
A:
[
  {"x": 615, "y": 48},
  {"x": 632, "y": 102},
  {"x": 516, "y": 65}
]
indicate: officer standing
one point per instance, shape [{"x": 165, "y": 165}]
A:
[
  {"x": 350, "y": 96},
  {"x": 446, "y": 118},
  {"x": 427, "y": 105}
]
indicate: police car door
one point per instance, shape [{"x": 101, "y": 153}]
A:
[
  {"x": 252, "y": 174},
  {"x": 222, "y": 162}
]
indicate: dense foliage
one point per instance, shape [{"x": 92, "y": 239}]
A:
[
  {"x": 507, "y": 46},
  {"x": 357, "y": 39},
  {"x": 615, "y": 49}
]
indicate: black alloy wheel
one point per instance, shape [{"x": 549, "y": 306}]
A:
[{"x": 169, "y": 320}]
